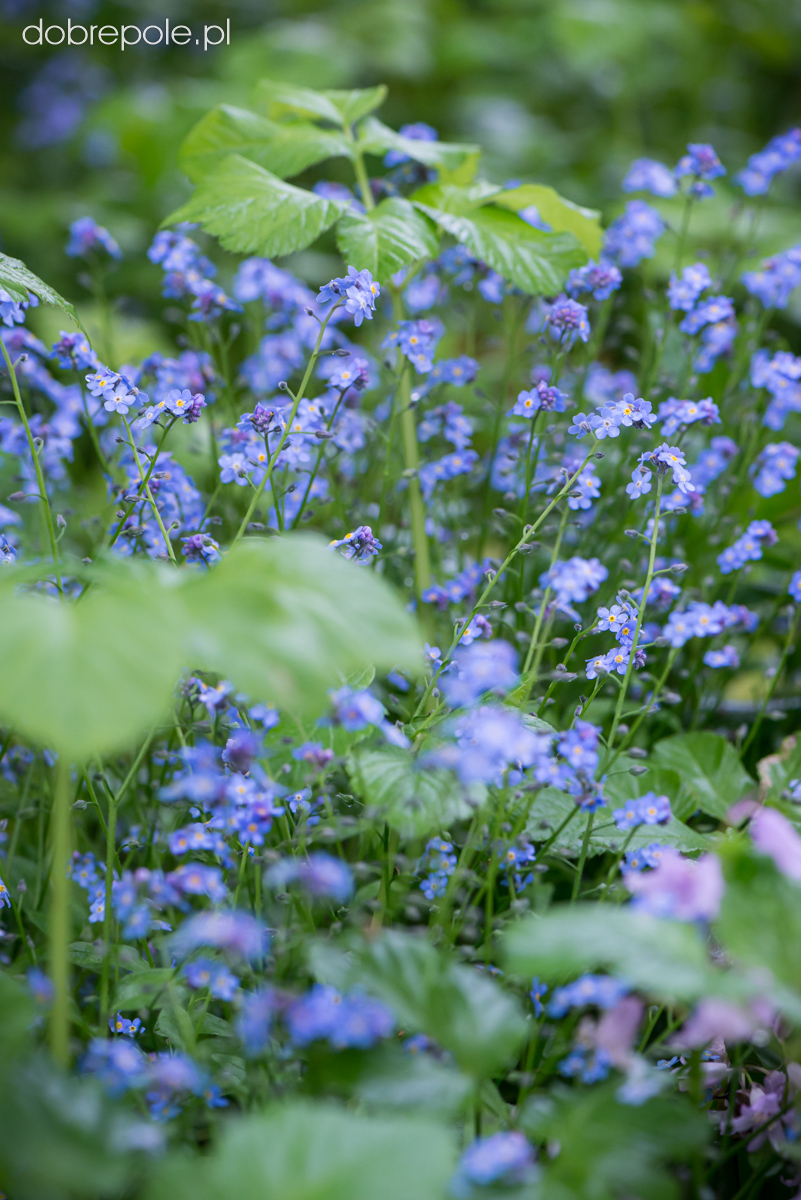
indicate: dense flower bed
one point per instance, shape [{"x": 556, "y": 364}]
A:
[{"x": 526, "y": 897}]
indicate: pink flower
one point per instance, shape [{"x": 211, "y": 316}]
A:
[
  {"x": 774, "y": 835},
  {"x": 679, "y": 887}
]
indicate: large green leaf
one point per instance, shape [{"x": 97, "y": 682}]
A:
[
  {"x": 357, "y": 102},
  {"x": 551, "y": 807},
  {"x": 664, "y": 958},
  {"x": 284, "y": 618},
  {"x": 252, "y": 211},
  {"x": 608, "y": 1150},
  {"x": 389, "y": 237},
  {"x": 88, "y": 678},
  {"x": 377, "y": 138},
  {"x": 708, "y": 766},
  {"x": 562, "y": 215},
  {"x": 414, "y": 799},
  {"x": 465, "y": 1011},
  {"x": 305, "y": 1151},
  {"x": 536, "y": 262},
  {"x": 622, "y": 786},
  {"x": 18, "y": 281},
  {"x": 284, "y": 150}
]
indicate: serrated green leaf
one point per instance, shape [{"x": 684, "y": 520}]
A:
[
  {"x": 277, "y": 98},
  {"x": 252, "y": 211},
  {"x": 307, "y": 1151},
  {"x": 284, "y": 150},
  {"x": 357, "y": 102},
  {"x": 460, "y": 200},
  {"x": 464, "y": 1011},
  {"x": 664, "y": 958},
  {"x": 412, "y": 798},
  {"x": 398, "y": 1079},
  {"x": 18, "y": 281},
  {"x": 562, "y": 215},
  {"x": 389, "y": 237},
  {"x": 284, "y": 618},
  {"x": 377, "y": 138},
  {"x": 708, "y": 766},
  {"x": 623, "y": 786},
  {"x": 536, "y": 262}
]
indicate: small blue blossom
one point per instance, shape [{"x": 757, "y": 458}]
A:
[
  {"x": 537, "y": 992},
  {"x": 484, "y": 666},
  {"x": 360, "y": 546},
  {"x": 780, "y": 153},
  {"x": 748, "y": 547},
  {"x": 648, "y": 175},
  {"x": 87, "y": 236},
  {"x": 567, "y": 320},
  {"x": 503, "y": 1158},
  {"x": 631, "y": 237},
  {"x": 683, "y": 293},
  {"x": 649, "y": 809}
]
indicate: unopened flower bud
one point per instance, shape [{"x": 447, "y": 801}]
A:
[{"x": 61, "y": 521}]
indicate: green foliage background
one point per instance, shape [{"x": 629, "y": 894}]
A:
[{"x": 566, "y": 91}]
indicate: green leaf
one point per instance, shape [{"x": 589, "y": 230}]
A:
[
  {"x": 622, "y": 787},
  {"x": 252, "y": 211},
  {"x": 536, "y": 262},
  {"x": 458, "y": 200},
  {"x": 284, "y": 618},
  {"x": 412, "y": 798},
  {"x": 358, "y": 102},
  {"x": 282, "y": 149},
  {"x": 465, "y": 1011},
  {"x": 88, "y": 678},
  {"x": 278, "y": 99},
  {"x": 398, "y": 1079},
  {"x": 562, "y": 215},
  {"x": 667, "y": 959},
  {"x": 709, "y": 767},
  {"x": 18, "y": 281},
  {"x": 551, "y": 807},
  {"x": 144, "y": 989},
  {"x": 760, "y": 915},
  {"x": 608, "y": 1150},
  {"x": 389, "y": 237},
  {"x": 305, "y": 1151},
  {"x": 377, "y": 138}
]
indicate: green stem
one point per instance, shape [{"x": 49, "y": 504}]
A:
[
  {"x": 422, "y": 561},
  {"x": 293, "y": 413},
  {"x": 641, "y": 613},
  {"x": 660, "y": 683},
  {"x": 316, "y": 467},
  {"x": 533, "y": 645},
  {"x": 786, "y": 651},
  {"x": 37, "y": 466},
  {"x": 60, "y": 915},
  {"x": 585, "y": 845},
  {"x": 145, "y": 481},
  {"x": 146, "y": 488}
]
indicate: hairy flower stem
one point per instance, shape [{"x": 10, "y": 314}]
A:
[
  {"x": 660, "y": 683},
  {"x": 316, "y": 467},
  {"x": 528, "y": 534},
  {"x": 37, "y": 466},
  {"x": 786, "y": 652},
  {"x": 422, "y": 560},
  {"x": 534, "y": 646},
  {"x": 59, "y": 919},
  {"x": 513, "y": 327},
  {"x": 293, "y": 413},
  {"x": 90, "y": 425},
  {"x": 142, "y": 486},
  {"x": 640, "y": 614},
  {"x": 147, "y": 491}
]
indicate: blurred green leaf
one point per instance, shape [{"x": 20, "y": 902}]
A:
[
  {"x": 667, "y": 959},
  {"x": 413, "y": 798},
  {"x": 562, "y": 215},
  {"x": 389, "y": 237},
  {"x": 708, "y": 766},
  {"x": 252, "y": 211},
  {"x": 398, "y": 1079},
  {"x": 144, "y": 989},
  {"x": 357, "y": 102},
  {"x": 284, "y": 618},
  {"x": 463, "y": 1010},
  {"x": 17, "y": 1012},
  {"x": 608, "y": 1150},
  {"x": 18, "y": 281},
  {"x": 535, "y": 262},
  {"x": 314, "y": 1152},
  {"x": 760, "y": 914},
  {"x": 63, "y": 1138},
  {"x": 284, "y": 150},
  {"x": 88, "y": 678},
  {"x": 551, "y": 807}
]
